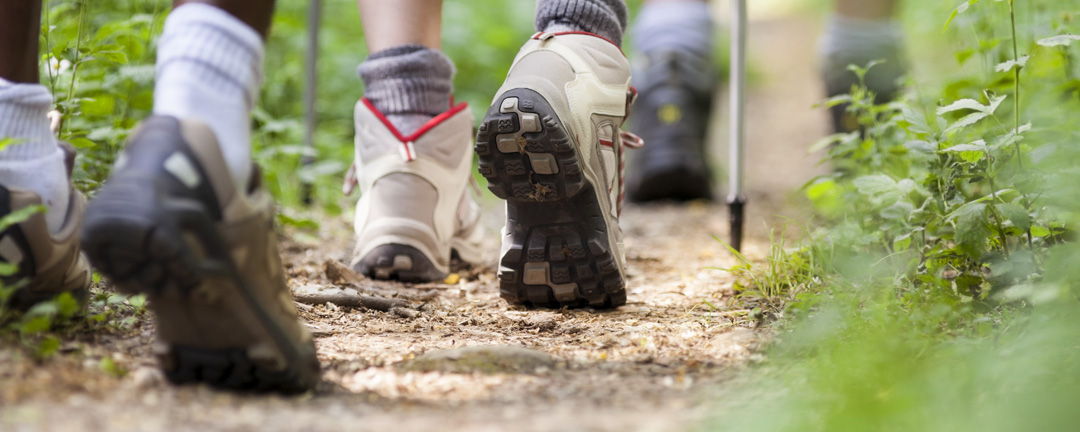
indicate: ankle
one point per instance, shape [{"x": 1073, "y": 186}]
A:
[{"x": 408, "y": 84}]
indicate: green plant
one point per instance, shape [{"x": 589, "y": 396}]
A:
[{"x": 947, "y": 241}]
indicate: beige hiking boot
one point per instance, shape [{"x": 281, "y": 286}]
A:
[
  {"x": 550, "y": 145},
  {"x": 47, "y": 264},
  {"x": 415, "y": 210},
  {"x": 171, "y": 223}
]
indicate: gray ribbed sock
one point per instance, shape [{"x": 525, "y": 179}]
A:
[
  {"x": 606, "y": 18},
  {"x": 409, "y": 84},
  {"x": 32, "y": 160}
]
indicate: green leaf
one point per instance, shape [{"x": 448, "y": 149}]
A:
[
  {"x": 34, "y": 325},
  {"x": 959, "y": 10},
  {"x": 81, "y": 143},
  {"x": 110, "y": 367},
  {"x": 979, "y": 145},
  {"x": 137, "y": 301},
  {"x": 304, "y": 224},
  {"x": 1039, "y": 231},
  {"x": 831, "y": 140},
  {"x": 902, "y": 242},
  {"x": 1008, "y": 66},
  {"x": 1015, "y": 214},
  {"x": 966, "y": 121},
  {"x": 916, "y": 120},
  {"x": 8, "y": 269},
  {"x": 1059, "y": 40},
  {"x": 995, "y": 102},
  {"x": 47, "y": 347},
  {"x": 876, "y": 184},
  {"x": 118, "y": 57},
  {"x": 20, "y": 215},
  {"x": 66, "y": 305},
  {"x": 962, "y": 104},
  {"x": 898, "y": 211},
  {"x": 971, "y": 230}
]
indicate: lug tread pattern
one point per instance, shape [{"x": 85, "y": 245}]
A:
[
  {"x": 558, "y": 238},
  {"x": 131, "y": 238}
]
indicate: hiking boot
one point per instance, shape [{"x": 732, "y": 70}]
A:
[
  {"x": 672, "y": 115},
  {"x": 46, "y": 264},
  {"x": 171, "y": 223},
  {"x": 550, "y": 145},
  {"x": 415, "y": 211}
]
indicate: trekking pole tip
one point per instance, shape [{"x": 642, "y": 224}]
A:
[{"x": 736, "y": 216}]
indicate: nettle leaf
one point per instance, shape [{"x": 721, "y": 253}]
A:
[
  {"x": 916, "y": 120},
  {"x": 1012, "y": 64},
  {"x": 966, "y": 121},
  {"x": 902, "y": 242},
  {"x": 830, "y": 140},
  {"x": 995, "y": 102},
  {"x": 959, "y": 10},
  {"x": 875, "y": 185},
  {"x": 921, "y": 147},
  {"x": 1015, "y": 214},
  {"x": 963, "y": 104},
  {"x": 898, "y": 211},
  {"x": 971, "y": 230},
  {"x": 1059, "y": 40},
  {"x": 1012, "y": 137},
  {"x": 979, "y": 145}
]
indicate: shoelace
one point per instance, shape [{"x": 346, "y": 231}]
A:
[{"x": 629, "y": 140}]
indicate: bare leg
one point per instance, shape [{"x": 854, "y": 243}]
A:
[
  {"x": 255, "y": 13},
  {"x": 402, "y": 22},
  {"x": 866, "y": 9},
  {"x": 20, "y": 22}
]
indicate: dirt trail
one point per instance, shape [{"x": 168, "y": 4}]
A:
[{"x": 649, "y": 365}]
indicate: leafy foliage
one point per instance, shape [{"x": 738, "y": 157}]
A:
[{"x": 952, "y": 303}]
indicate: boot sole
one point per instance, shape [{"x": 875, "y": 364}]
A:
[
  {"x": 401, "y": 262},
  {"x": 143, "y": 244},
  {"x": 559, "y": 253}
]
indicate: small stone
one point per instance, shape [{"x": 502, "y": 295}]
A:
[
  {"x": 488, "y": 359},
  {"x": 147, "y": 377}
]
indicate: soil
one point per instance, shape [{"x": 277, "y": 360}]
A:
[{"x": 653, "y": 364}]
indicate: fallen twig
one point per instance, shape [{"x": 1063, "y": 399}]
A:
[{"x": 314, "y": 294}]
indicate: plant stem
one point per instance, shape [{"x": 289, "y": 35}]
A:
[
  {"x": 48, "y": 49},
  {"x": 993, "y": 211},
  {"x": 78, "y": 54},
  {"x": 1016, "y": 79}
]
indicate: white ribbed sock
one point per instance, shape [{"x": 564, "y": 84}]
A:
[
  {"x": 209, "y": 68},
  {"x": 33, "y": 161}
]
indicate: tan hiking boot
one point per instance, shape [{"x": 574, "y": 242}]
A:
[
  {"x": 48, "y": 264},
  {"x": 550, "y": 145},
  {"x": 171, "y": 223},
  {"x": 415, "y": 210}
]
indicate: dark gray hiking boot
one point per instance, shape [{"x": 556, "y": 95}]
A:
[
  {"x": 672, "y": 115},
  {"x": 550, "y": 145},
  {"x": 47, "y": 264},
  {"x": 170, "y": 223}
]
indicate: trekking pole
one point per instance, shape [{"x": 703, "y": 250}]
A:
[
  {"x": 736, "y": 198},
  {"x": 311, "y": 59}
]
